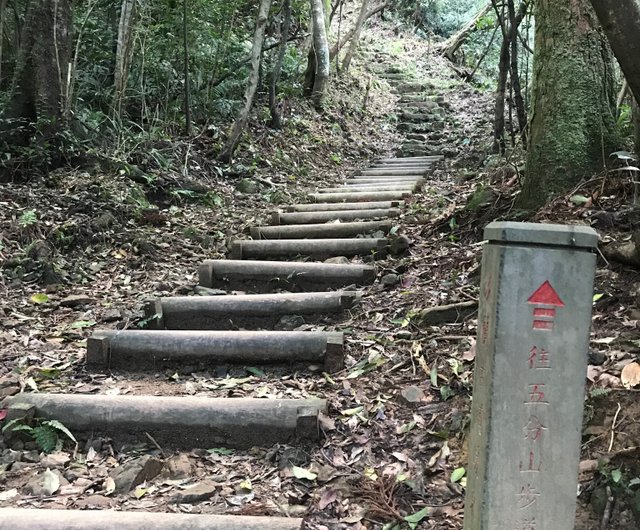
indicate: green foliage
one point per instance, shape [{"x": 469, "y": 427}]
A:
[
  {"x": 48, "y": 434},
  {"x": 442, "y": 17},
  {"x": 28, "y": 218}
]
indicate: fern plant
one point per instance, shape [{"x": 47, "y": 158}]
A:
[{"x": 46, "y": 433}]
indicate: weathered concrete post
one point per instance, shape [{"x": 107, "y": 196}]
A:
[{"x": 533, "y": 334}]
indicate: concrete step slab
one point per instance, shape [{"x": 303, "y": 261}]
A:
[
  {"x": 260, "y": 276},
  {"x": 382, "y": 186},
  {"x": 316, "y": 248},
  {"x": 331, "y": 207},
  {"x": 178, "y": 422},
  {"x": 243, "y": 311},
  {"x": 300, "y": 218},
  {"x": 36, "y": 519},
  {"x": 392, "y": 172},
  {"x": 412, "y": 159},
  {"x": 361, "y": 196},
  {"x": 321, "y": 230},
  {"x": 375, "y": 184},
  {"x": 143, "y": 349}
]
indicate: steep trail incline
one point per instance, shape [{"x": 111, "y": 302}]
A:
[{"x": 270, "y": 338}]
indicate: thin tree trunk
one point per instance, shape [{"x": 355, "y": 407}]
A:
[
  {"x": 453, "y": 43},
  {"x": 620, "y": 21},
  {"x": 355, "y": 40},
  {"x": 276, "y": 118},
  {"x": 335, "y": 49},
  {"x": 515, "y": 21},
  {"x": 321, "y": 49},
  {"x": 252, "y": 83},
  {"x": 3, "y": 11},
  {"x": 499, "y": 145},
  {"x": 124, "y": 52},
  {"x": 635, "y": 116},
  {"x": 187, "y": 79}
]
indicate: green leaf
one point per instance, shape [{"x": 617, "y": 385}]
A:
[
  {"x": 221, "y": 451},
  {"x": 579, "y": 199},
  {"x": 616, "y": 475},
  {"x": 39, "y": 298},
  {"x": 458, "y": 474},
  {"x": 58, "y": 426},
  {"x": 301, "y": 473},
  {"x": 446, "y": 393},
  {"x": 417, "y": 517},
  {"x": 597, "y": 297},
  {"x": 46, "y": 437},
  {"x": 256, "y": 371}
]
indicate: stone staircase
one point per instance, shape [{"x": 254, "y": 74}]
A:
[{"x": 297, "y": 265}]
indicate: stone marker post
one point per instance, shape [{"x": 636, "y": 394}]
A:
[{"x": 536, "y": 295}]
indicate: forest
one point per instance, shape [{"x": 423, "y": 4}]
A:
[{"x": 241, "y": 261}]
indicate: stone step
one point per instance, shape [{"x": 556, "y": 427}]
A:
[
  {"x": 301, "y": 218},
  {"x": 420, "y": 117},
  {"x": 421, "y": 97},
  {"x": 321, "y": 230},
  {"x": 243, "y": 311},
  {"x": 138, "y": 349},
  {"x": 316, "y": 248},
  {"x": 410, "y": 160},
  {"x": 260, "y": 276},
  {"x": 413, "y": 184},
  {"x": 382, "y": 186},
  {"x": 393, "y": 172},
  {"x": 331, "y": 207},
  {"x": 39, "y": 519},
  {"x": 360, "y": 196},
  {"x": 412, "y": 88},
  {"x": 175, "y": 422},
  {"x": 390, "y": 179}
]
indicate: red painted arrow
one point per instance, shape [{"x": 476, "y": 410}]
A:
[{"x": 546, "y": 295}]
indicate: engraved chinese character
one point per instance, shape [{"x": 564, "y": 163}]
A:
[
  {"x": 534, "y": 428},
  {"x": 531, "y": 466},
  {"x": 527, "y": 496},
  {"x": 527, "y": 524},
  {"x": 536, "y": 394},
  {"x": 539, "y": 359}
]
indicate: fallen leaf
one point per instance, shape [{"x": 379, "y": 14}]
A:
[
  {"x": 50, "y": 482},
  {"x": 109, "y": 486},
  {"x": 630, "y": 376},
  {"x": 328, "y": 497},
  {"x": 39, "y": 298},
  {"x": 302, "y": 473},
  {"x": 458, "y": 474},
  {"x": 9, "y": 494}
]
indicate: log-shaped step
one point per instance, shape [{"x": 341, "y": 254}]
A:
[
  {"x": 380, "y": 187},
  {"x": 177, "y": 422},
  {"x": 261, "y": 276},
  {"x": 139, "y": 349},
  {"x": 300, "y": 218},
  {"x": 243, "y": 311},
  {"x": 389, "y": 171},
  {"x": 361, "y": 196},
  {"x": 411, "y": 185},
  {"x": 321, "y": 230},
  {"x": 34, "y": 519},
  {"x": 333, "y": 207},
  {"x": 386, "y": 180},
  {"x": 316, "y": 248},
  {"x": 426, "y": 159}
]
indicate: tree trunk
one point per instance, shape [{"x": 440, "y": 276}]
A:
[
  {"x": 252, "y": 83},
  {"x": 635, "y": 115},
  {"x": 499, "y": 145},
  {"x": 573, "y": 125},
  {"x": 335, "y": 49},
  {"x": 321, "y": 49},
  {"x": 187, "y": 79},
  {"x": 41, "y": 73},
  {"x": 276, "y": 119},
  {"x": 515, "y": 21},
  {"x": 3, "y": 11},
  {"x": 620, "y": 21},
  {"x": 124, "y": 53},
  {"x": 355, "y": 40},
  {"x": 453, "y": 43}
]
